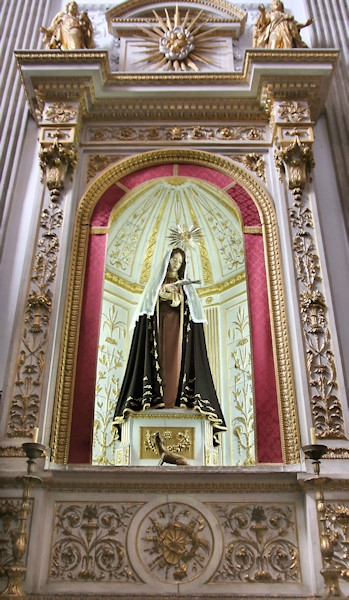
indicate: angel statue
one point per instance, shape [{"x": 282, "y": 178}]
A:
[
  {"x": 168, "y": 365},
  {"x": 69, "y": 30},
  {"x": 275, "y": 28}
]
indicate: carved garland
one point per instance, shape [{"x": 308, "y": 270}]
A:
[
  {"x": 295, "y": 158},
  {"x": 57, "y": 156},
  {"x": 326, "y": 404}
]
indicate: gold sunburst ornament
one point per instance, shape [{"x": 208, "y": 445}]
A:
[
  {"x": 184, "y": 237},
  {"x": 178, "y": 45}
]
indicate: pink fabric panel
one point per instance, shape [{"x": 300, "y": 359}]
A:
[
  {"x": 134, "y": 179},
  {"x": 268, "y": 428},
  {"x": 105, "y": 205},
  {"x": 248, "y": 209},
  {"x": 85, "y": 378},
  {"x": 215, "y": 177}
]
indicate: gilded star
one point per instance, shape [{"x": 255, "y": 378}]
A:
[
  {"x": 183, "y": 237},
  {"x": 178, "y": 44}
]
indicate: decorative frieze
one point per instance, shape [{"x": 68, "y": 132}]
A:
[
  {"x": 153, "y": 133},
  {"x": 175, "y": 542}
]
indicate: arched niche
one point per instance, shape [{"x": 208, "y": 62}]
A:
[{"x": 276, "y": 430}]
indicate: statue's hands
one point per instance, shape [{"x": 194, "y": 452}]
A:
[
  {"x": 170, "y": 292},
  {"x": 169, "y": 287},
  {"x": 176, "y": 300},
  {"x": 164, "y": 295},
  {"x": 167, "y": 291}
]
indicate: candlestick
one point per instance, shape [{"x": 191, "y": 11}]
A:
[{"x": 15, "y": 570}]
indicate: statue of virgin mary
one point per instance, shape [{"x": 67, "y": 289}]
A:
[{"x": 168, "y": 366}]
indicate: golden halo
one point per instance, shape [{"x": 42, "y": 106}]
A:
[
  {"x": 178, "y": 44},
  {"x": 184, "y": 237}
]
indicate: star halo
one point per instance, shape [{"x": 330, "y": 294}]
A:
[
  {"x": 185, "y": 237},
  {"x": 178, "y": 44}
]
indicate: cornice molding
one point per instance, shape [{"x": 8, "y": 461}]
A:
[{"x": 267, "y": 75}]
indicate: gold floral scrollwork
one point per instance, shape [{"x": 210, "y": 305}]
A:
[
  {"x": 253, "y": 162},
  {"x": 89, "y": 542},
  {"x": 56, "y": 158},
  {"x": 337, "y": 525},
  {"x": 9, "y": 518},
  {"x": 293, "y": 112},
  {"x": 32, "y": 352},
  {"x": 296, "y": 159},
  {"x": 175, "y": 439},
  {"x": 98, "y": 162},
  {"x": 60, "y": 112},
  {"x": 326, "y": 404},
  {"x": 260, "y": 544}
]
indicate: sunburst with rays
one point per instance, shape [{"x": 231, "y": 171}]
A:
[
  {"x": 178, "y": 44},
  {"x": 185, "y": 237}
]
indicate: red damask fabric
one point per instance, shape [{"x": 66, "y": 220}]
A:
[
  {"x": 248, "y": 209},
  {"x": 101, "y": 213},
  {"x": 268, "y": 427},
  {"x": 85, "y": 376},
  {"x": 267, "y": 416}
]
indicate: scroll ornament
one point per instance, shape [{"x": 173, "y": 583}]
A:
[
  {"x": 296, "y": 159},
  {"x": 56, "y": 159}
]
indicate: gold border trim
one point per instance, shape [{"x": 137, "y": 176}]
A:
[{"x": 68, "y": 355}]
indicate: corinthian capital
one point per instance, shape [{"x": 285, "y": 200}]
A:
[
  {"x": 58, "y": 140},
  {"x": 293, "y": 140}
]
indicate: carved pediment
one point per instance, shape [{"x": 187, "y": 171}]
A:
[{"x": 195, "y": 37}]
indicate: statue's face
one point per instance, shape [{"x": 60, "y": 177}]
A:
[
  {"x": 277, "y": 5},
  {"x": 176, "y": 262},
  {"x": 73, "y": 8}
]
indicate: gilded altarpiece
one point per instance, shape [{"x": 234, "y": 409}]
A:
[{"x": 250, "y": 527}]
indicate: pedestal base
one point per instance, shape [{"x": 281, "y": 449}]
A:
[{"x": 184, "y": 432}]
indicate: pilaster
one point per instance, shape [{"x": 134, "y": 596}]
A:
[
  {"x": 59, "y": 138},
  {"x": 293, "y": 150}
]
